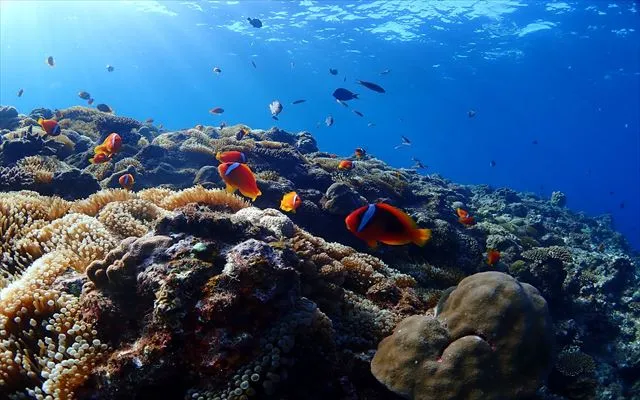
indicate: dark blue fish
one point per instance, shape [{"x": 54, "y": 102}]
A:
[
  {"x": 343, "y": 94},
  {"x": 299, "y": 101},
  {"x": 255, "y": 22},
  {"x": 254, "y": 64},
  {"x": 358, "y": 113},
  {"x": 104, "y": 108},
  {"x": 372, "y": 86},
  {"x": 333, "y": 71}
]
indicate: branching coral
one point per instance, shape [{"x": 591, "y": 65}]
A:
[{"x": 15, "y": 178}]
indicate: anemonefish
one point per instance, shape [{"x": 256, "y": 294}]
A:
[
  {"x": 126, "y": 181},
  {"x": 238, "y": 176},
  {"x": 231, "y": 156},
  {"x": 100, "y": 158},
  {"x": 467, "y": 221},
  {"x": 345, "y": 165},
  {"x": 110, "y": 146},
  {"x": 493, "y": 256},
  {"x": 50, "y": 126},
  {"x": 290, "y": 202},
  {"x": 462, "y": 213},
  {"x": 384, "y": 223},
  {"x": 360, "y": 152}
]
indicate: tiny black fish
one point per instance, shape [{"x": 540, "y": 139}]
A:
[
  {"x": 344, "y": 79},
  {"x": 84, "y": 95},
  {"x": 492, "y": 163},
  {"x": 472, "y": 113},
  {"x": 254, "y": 64},
  {"x": 20, "y": 92},
  {"x": 372, "y": 86},
  {"x": 358, "y": 113},
  {"x": 255, "y": 22},
  {"x": 110, "y": 68},
  {"x": 333, "y": 71},
  {"x": 299, "y": 101},
  {"x": 534, "y": 142},
  {"x": 104, "y": 108},
  {"x": 50, "y": 61},
  {"x": 343, "y": 94}
]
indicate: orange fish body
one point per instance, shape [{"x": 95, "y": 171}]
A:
[
  {"x": 100, "y": 158},
  {"x": 290, "y": 202},
  {"x": 345, "y": 165},
  {"x": 384, "y": 223},
  {"x": 50, "y": 126},
  {"x": 231, "y": 157},
  {"x": 462, "y": 213},
  {"x": 110, "y": 146},
  {"x": 238, "y": 176},
  {"x": 126, "y": 181},
  {"x": 467, "y": 221},
  {"x": 493, "y": 256}
]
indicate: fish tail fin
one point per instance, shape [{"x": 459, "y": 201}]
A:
[
  {"x": 218, "y": 156},
  {"x": 255, "y": 195},
  {"x": 40, "y": 120},
  {"x": 422, "y": 236}
]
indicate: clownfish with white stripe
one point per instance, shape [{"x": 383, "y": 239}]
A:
[
  {"x": 238, "y": 176},
  {"x": 384, "y": 223},
  {"x": 290, "y": 202}
]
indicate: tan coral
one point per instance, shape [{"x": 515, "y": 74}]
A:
[
  {"x": 154, "y": 195},
  {"x": 198, "y": 194},
  {"x": 94, "y": 203},
  {"x": 126, "y": 163},
  {"x": 42, "y": 167},
  {"x": 130, "y": 217}
]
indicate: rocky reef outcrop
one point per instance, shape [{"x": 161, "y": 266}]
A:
[{"x": 177, "y": 289}]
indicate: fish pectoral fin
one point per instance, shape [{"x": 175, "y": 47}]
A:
[
  {"x": 230, "y": 189},
  {"x": 373, "y": 244}
]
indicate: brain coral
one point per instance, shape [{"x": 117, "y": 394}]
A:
[{"x": 491, "y": 339}]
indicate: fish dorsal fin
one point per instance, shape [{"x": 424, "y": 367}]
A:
[
  {"x": 371, "y": 210},
  {"x": 401, "y": 215},
  {"x": 231, "y": 168}
]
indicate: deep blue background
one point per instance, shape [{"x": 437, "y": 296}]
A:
[{"x": 573, "y": 88}]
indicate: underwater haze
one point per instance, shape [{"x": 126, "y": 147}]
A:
[{"x": 534, "y": 96}]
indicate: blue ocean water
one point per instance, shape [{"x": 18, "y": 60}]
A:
[{"x": 565, "y": 75}]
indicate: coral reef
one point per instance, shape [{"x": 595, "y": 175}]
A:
[{"x": 174, "y": 290}]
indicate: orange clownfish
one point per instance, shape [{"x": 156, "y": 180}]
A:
[
  {"x": 290, "y": 202},
  {"x": 384, "y": 223},
  {"x": 345, "y": 165},
  {"x": 100, "y": 158},
  {"x": 238, "y": 176},
  {"x": 50, "y": 126},
  {"x": 462, "y": 213},
  {"x": 493, "y": 256},
  {"x": 110, "y": 146},
  {"x": 231, "y": 156},
  {"x": 360, "y": 152},
  {"x": 126, "y": 181}
]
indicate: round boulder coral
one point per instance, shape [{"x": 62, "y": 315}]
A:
[{"x": 491, "y": 339}]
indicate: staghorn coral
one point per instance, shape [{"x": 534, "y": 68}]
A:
[
  {"x": 491, "y": 338},
  {"x": 198, "y": 194},
  {"x": 547, "y": 254}
]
